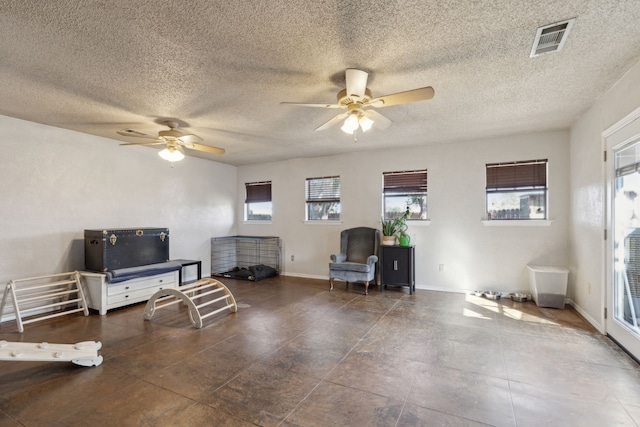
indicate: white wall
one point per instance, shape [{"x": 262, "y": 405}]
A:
[
  {"x": 587, "y": 193},
  {"x": 474, "y": 256},
  {"x": 57, "y": 183}
]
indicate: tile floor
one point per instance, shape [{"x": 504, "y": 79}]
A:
[{"x": 296, "y": 354}]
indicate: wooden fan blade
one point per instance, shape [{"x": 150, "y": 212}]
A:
[
  {"x": 414, "y": 95},
  {"x": 356, "y": 82},
  {"x": 300, "y": 104},
  {"x": 333, "y": 121},
  {"x": 144, "y": 143},
  {"x": 135, "y": 133},
  {"x": 190, "y": 139},
  {"x": 205, "y": 148},
  {"x": 379, "y": 121}
]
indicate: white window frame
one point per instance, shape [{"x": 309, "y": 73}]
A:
[
  {"x": 517, "y": 177},
  {"x": 405, "y": 184},
  {"x": 257, "y": 192},
  {"x": 323, "y": 191}
]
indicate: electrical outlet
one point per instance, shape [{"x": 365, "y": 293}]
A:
[
  {"x": 292, "y": 258},
  {"x": 441, "y": 267}
]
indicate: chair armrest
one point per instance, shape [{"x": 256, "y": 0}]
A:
[
  {"x": 338, "y": 257},
  {"x": 372, "y": 259}
]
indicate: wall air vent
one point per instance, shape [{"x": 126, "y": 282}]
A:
[{"x": 551, "y": 38}]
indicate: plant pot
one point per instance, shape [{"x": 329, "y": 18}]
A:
[
  {"x": 404, "y": 240},
  {"x": 388, "y": 240}
]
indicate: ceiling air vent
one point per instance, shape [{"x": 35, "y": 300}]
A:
[{"x": 551, "y": 38}]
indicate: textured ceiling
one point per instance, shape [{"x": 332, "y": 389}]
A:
[{"x": 221, "y": 68}]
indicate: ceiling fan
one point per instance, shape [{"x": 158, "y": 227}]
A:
[
  {"x": 356, "y": 98},
  {"x": 174, "y": 139}
]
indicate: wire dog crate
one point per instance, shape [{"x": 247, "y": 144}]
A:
[{"x": 246, "y": 257}]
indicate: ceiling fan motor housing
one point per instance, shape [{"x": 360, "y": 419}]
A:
[
  {"x": 170, "y": 134},
  {"x": 345, "y": 101}
]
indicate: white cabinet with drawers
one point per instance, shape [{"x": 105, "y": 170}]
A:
[{"x": 102, "y": 295}]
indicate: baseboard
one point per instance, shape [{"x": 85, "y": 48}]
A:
[
  {"x": 422, "y": 287},
  {"x": 305, "y": 276},
  {"x": 8, "y": 318},
  {"x": 586, "y": 316},
  {"x": 438, "y": 289}
]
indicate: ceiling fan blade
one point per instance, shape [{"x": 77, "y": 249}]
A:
[
  {"x": 144, "y": 143},
  {"x": 205, "y": 148},
  {"x": 300, "y": 104},
  {"x": 333, "y": 121},
  {"x": 379, "y": 121},
  {"x": 190, "y": 138},
  {"x": 356, "y": 82},
  {"x": 135, "y": 133},
  {"x": 414, "y": 95}
]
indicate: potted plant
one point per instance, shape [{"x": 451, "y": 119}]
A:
[
  {"x": 389, "y": 229},
  {"x": 401, "y": 233}
]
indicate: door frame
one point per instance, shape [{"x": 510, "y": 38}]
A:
[{"x": 625, "y": 131}]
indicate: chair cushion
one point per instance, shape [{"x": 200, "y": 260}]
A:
[{"x": 350, "y": 266}]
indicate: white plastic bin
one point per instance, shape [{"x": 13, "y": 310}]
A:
[{"x": 548, "y": 285}]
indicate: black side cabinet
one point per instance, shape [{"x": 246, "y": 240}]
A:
[{"x": 398, "y": 267}]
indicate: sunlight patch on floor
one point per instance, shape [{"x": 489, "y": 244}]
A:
[
  {"x": 498, "y": 307},
  {"x": 470, "y": 313}
]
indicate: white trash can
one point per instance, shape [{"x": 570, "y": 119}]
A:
[{"x": 548, "y": 285}]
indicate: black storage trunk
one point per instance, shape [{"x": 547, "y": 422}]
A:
[{"x": 113, "y": 249}]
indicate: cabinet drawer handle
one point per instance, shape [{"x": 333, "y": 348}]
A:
[
  {"x": 161, "y": 280},
  {"x": 126, "y": 287},
  {"x": 126, "y": 296},
  {"x": 395, "y": 264}
]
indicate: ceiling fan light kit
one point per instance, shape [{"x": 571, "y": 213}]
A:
[
  {"x": 356, "y": 120},
  {"x": 174, "y": 140},
  {"x": 365, "y": 123},
  {"x": 356, "y": 98},
  {"x": 350, "y": 124},
  {"x": 171, "y": 154}
]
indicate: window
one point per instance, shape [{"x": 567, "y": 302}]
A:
[
  {"x": 323, "y": 198},
  {"x": 258, "y": 201},
  {"x": 517, "y": 190},
  {"x": 402, "y": 190}
]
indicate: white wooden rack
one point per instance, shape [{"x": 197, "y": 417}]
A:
[
  {"x": 82, "y": 353},
  {"x": 37, "y": 297},
  {"x": 188, "y": 294}
]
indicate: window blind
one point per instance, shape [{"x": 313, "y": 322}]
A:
[
  {"x": 258, "y": 192},
  {"x": 324, "y": 189},
  {"x": 405, "y": 182},
  {"x": 627, "y": 170},
  {"x": 516, "y": 175}
]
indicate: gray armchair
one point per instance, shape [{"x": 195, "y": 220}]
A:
[{"x": 358, "y": 257}]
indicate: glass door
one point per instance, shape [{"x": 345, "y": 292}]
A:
[{"x": 623, "y": 269}]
